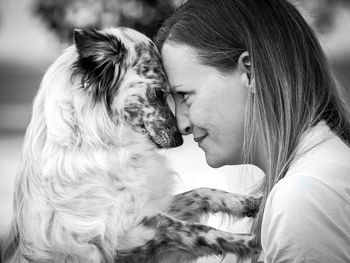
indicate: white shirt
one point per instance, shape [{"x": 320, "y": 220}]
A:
[{"x": 307, "y": 213}]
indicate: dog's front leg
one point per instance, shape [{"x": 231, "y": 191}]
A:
[
  {"x": 200, "y": 201},
  {"x": 179, "y": 241}
]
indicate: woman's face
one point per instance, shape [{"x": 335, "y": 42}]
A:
[{"x": 209, "y": 104}]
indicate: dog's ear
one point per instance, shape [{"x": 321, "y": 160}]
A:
[{"x": 100, "y": 57}]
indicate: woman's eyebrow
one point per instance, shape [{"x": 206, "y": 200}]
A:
[{"x": 174, "y": 87}]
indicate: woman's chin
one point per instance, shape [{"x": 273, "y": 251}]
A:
[{"x": 213, "y": 162}]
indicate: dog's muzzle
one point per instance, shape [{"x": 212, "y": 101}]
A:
[
  {"x": 177, "y": 140},
  {"x": 167, "y": 139}
]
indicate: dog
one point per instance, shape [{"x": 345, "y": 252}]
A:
[{"x": 92, "y": 186}]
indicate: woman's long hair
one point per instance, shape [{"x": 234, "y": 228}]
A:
[{"x": 293, "y": 85}]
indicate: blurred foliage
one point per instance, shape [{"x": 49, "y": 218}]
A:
[
  {"x": 326, "y": 13},
  {"x": 321, "y": 13},
  {"x": 62, "y": 16}
]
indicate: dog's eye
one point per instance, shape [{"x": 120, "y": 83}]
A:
[{"x": 160, "y": 93}]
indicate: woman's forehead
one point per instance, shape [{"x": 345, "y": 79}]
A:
[
  {"x": 174, "y": 54},
  {"x": 182, "y": 65}
]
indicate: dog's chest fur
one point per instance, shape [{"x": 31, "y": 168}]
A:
[{"x": 144, "y": 186}]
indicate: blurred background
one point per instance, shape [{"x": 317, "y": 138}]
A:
[{"x": 34, "y": 32}]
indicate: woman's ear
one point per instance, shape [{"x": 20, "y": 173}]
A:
[{"x": 245, "y": 65}]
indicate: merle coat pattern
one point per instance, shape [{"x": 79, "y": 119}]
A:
[{"x": 92, "y": 186}]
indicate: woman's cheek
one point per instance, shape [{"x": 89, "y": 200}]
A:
[{"x": 198, "y": 114}]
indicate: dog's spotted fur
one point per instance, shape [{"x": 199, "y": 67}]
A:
[
  {"x": 204, "y": 200},
  {"x": 92, "y": 186},
  {"x": 186, "y": 241}
]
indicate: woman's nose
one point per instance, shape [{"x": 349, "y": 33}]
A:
[
  {"x": 183, "y": 121},
  {"x": 184, "y": 124}
]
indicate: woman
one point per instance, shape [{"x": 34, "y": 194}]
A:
[{"x": 251, "y": 83}]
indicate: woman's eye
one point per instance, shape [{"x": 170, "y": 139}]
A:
[{"x": 185, "y": 97}]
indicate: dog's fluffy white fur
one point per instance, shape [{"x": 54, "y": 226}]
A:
[{"x": 87, "y": 176}]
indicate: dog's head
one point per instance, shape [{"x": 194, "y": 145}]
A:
[{"x": 120, "y": 70}]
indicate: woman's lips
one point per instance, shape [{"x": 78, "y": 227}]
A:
[{"x": 199, "y": 138}]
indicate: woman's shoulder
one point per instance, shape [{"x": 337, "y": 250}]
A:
[
  {"x": 321, "y": 144},
  {"x": 299, "y": 191},
  {"x": 320, "y": 178},
  {"x": 302, "y": 217},
  {"x": 324, "y": 164}
]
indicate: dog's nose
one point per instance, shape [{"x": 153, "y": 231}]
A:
[{"x": 177, "y": 139}]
